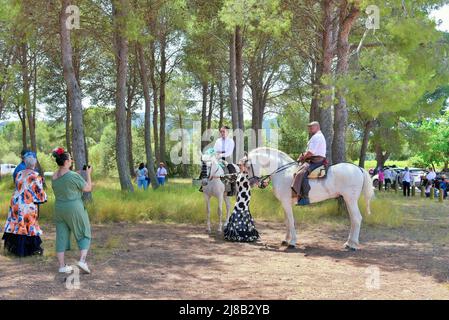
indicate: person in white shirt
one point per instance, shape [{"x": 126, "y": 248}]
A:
[
  {"x": 406, "y": 179},
  {"x": 431, "y": 175},
  {"x": 161, "y": 173},
  {"x": 224, "y": 146},
  {"x": 314, "y": 157},
  {"x": 224, "y": 149},
  {"x": 388, "y": 177}
]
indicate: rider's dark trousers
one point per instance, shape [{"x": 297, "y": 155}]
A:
[
  {"x": 231, "y": 169},
  {"x": 300, "y": 178}
]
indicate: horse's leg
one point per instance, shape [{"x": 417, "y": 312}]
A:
[
  {"x": 228, "y": 208},
  {"x": 290, "y": 221},
  {"x": 207, "y": 198},
  {"x": 356, "y": 220},
  {"x": 287, "y": 236},
  {"x": 220, "y": 213}
]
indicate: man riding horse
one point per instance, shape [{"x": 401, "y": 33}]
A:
[
  {"x": 224, "y": 148},
  {"x": 314, "y": 157}
]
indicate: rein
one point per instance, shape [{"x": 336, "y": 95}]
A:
[
  {"x": 211, "y": 177},
  {"x": 267, "y": 177}
]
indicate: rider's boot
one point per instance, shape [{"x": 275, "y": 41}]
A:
[{"x": 303, "y": 201}]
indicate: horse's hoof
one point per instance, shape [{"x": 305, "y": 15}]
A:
[
  {"x": 291, "y": 246},
  {"x": 284, "y": 243},
  {"x": 350, "y": 248}
]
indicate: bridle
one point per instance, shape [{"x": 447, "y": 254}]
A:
[
  {"x": 263, "y": 181},
  {"x": 211, "y": 176}
]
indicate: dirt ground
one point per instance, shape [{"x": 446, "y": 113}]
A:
[{"x": 172, "y": 261}]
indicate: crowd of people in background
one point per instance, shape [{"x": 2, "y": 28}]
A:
[
  {"x": 430, "y": 181},
  {"x": 143, "y": 180}
]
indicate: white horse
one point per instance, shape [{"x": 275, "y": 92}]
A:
[
  {"x": 344, "y": 179},
  {"x": 214, "y": 187}
]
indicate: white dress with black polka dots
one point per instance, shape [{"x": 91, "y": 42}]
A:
[{"x": 240, "y": 226}]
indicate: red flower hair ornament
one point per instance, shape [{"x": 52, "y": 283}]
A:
[{"x": 58, "y": 152}]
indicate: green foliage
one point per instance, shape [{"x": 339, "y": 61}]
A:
[
  {"x": 435, "y": 137},
  {"x": 257, "y": 16},
  {"x": 293, "y": 130}
]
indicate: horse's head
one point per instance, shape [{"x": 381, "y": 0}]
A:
[
  {"x": 245, "y": 164},
  {"x": 210, "y": 164},
  {"x": 263, "y": 161}
]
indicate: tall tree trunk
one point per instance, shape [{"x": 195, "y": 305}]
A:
[
  {"x": 74, "y": 91},
  {"x": 381, "y": 157},
  {"x": 232, "y": 84},
  {"x": 204, "y": 90},
  {"x": 348, "y": 16},
  {"x": 68, "y": 111},
  {"x": 221, "y": 103},
  {"x": 365, "y": 140},
  {"x": 152, "y": 66},
  {"x": 211, "y": 106},
  {"x": 147, "y": 126},
  {"x": 162, "y": 98},
  {"x": 34, "y": 85},
  {"x": 22, "y": 116},
  {"x": 120, "y": 9},
  {"x": 185, "y": 171},
  {"x": 239, "y": 74},
  {"x": 26, "y": 95},
  {"x": 131, "y": 92},
  {"x": 327, "y": 55},
  {"x": 129, "y": 133},
  {"x": 314, "y": 114}
]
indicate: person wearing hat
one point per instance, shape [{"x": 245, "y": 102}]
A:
[
  {"x": 161, "y": 173},
  {"x": 314, "y": 157}
]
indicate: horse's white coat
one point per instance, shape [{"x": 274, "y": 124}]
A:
[
  {"x": 215, "y": 188},
  {"x": 343, "y": 179}
]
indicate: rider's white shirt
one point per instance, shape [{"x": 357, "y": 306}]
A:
[
  {"x": 317, "y": 144},
  {"x": 225, "y": 146}
]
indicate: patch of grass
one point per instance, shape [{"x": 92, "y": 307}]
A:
[
  {"x": 400, "y": 163},
  {"x": 383, "y": 212},
  {"x": 180, "y": 202}
]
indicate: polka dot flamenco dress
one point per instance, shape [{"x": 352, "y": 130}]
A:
[{"x": 240, "y": 226}]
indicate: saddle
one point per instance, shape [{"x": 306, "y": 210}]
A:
[{"x": 318, "y": 173}]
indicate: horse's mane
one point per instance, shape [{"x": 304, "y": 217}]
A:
[{"x": 285, "y": 157}]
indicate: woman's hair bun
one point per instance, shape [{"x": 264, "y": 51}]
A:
[{"x": 58, "y": 152}]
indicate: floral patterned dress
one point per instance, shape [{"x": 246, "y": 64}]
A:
[
  {"x": 240, "y": 226},
  {"x": 22, "y": 232}
]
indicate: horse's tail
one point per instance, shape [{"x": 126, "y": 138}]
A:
[{"x": 368, "y": 192}]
